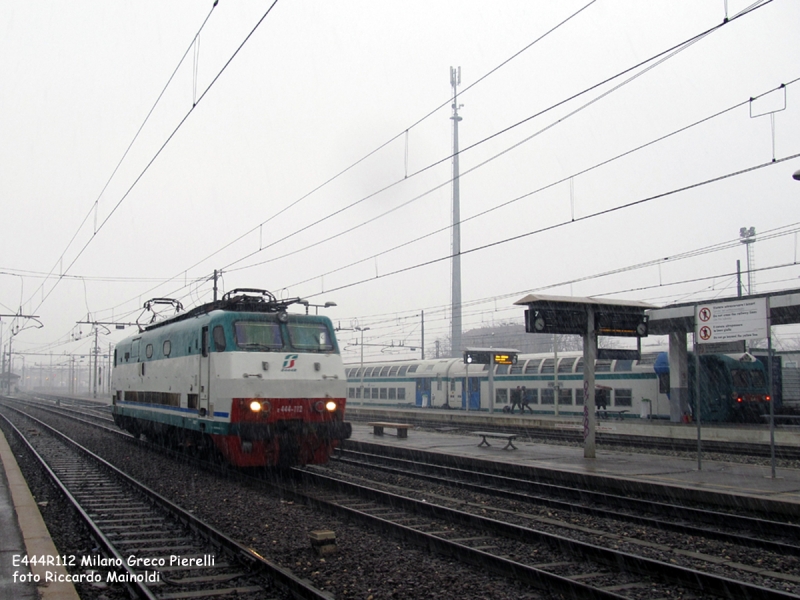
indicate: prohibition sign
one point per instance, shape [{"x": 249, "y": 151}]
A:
[
  {"x": 705, "y": 332},
  {"x": 705, "y": 314}
]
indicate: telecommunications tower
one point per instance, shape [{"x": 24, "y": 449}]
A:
[{"x": 455, "y": 335}]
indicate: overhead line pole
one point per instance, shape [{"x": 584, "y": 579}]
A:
[
  {"x": 10, "y": 339},
  {"x": 93, "y": 357}
]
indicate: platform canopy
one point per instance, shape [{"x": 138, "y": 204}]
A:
[{"x": 784, "y": 310}]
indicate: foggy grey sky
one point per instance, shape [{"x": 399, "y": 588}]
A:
[{"x": 321, "y": 85}]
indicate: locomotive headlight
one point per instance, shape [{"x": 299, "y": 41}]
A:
[
  {"x": 255, "y": 406},
  {"x": 331, "y": 405}
]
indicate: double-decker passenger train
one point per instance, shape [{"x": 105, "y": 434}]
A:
[
  {"x": 733, "y": 387},
  {"x": 263, "y": 386}
]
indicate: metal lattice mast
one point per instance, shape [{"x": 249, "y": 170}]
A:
[{"x": 455, "y": 336}]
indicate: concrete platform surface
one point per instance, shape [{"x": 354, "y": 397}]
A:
[{"x": 24, "y": 534}]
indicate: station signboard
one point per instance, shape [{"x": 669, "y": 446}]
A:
[{"x": 744, "y": 319}]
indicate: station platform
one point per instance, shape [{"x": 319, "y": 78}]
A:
[
  {"x": 24, "y": 534},
  {"x": 612, "y": 423},
  {"x": 676, "y": 478}
]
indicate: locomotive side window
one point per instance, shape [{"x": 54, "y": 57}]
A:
[
  {"x": 148, "y": 351},
  {"x": 219, "y": 338},
  {"x": 167, "y": 348},
  {"x": 257, "y": 335},
  {"x": 312, "y": 337}
]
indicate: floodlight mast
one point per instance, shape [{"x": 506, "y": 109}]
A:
[{"x": 455, "y": 308}]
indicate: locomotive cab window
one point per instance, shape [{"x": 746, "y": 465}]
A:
[
  {"x": 310, "y": 337},
  {"x": 219, "y": 338},
  {"x": 257, "y": 335},
  {"x": 758, "y": 378}
]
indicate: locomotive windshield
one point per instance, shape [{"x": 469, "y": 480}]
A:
[
  {"x": 310, "y": 337},
  {"x": 257, "y": 335}
]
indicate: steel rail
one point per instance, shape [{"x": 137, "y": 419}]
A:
[
  {"x": 543, "y": 493},
  {"x": 705, "y": 582},
  {"x": 297, "y": 587}
]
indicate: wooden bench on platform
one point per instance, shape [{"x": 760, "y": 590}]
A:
[
  {"x": 510, "y": 437},
  {"x": 611, "y": 414},
  {"x": 402, "y": 428}
]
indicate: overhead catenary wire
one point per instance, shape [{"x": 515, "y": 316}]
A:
[
  {"x": 161, "y": 149},
  {"x": 502, "y": 205},
  {"x": 656, "y": 59},
  {"x": 94, "y": 206}
]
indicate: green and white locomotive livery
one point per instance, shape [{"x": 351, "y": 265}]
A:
[{"x": 263, "y": 386}]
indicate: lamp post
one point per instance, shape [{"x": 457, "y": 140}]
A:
[{"x": 361, "y": 370}]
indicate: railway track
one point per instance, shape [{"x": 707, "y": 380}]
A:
[
  {"x": 512, "y": 544},
  {"x": 487, "y": 537},
  {"x": 148, "y": 544}
]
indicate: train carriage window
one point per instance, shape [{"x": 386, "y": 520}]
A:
[
  {"x": 501, "y": 396},
  {"x": 351, "y": 392},
  {"x": 579, "y": 397},
  {"x": 401, "y": 393},
  {"x": 532, "y": 396},
  {"x": 548, "y": 366},
  {"x": 402, "y": 371},
  {"x": 548, "y": 396},
  {"x": 565, "y": 365},
  {"x": 516, "y": 369},
  {"x": 502, "y": 370},
  {"x": 257, "y": 335},
  {"x": 310, "y": 337},
  {"x": 359, "y": 373},
  {"x": 579, "y": 366},
  {"x": 623, "y": 397},
  {"x": 393, "y": 371},
  {"x": 565, "y": 397},
  {"x": 384, "y": 394},
  {"x": 532, "y": 366},
  {"x": 385, "y": 371},
  {"x": 412, "y": 368},
  {"x": 623, "y": 365},
  {"x": 375, "y": 392},
  {"x": 392, "y": 393},
  {"x": 219, "y": 338},
  {"x": 167, "y": 348},
  {"x": 148, "y": 351},
  {"x": 602, "y": 366}
]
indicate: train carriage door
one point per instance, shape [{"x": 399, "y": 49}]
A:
[
  {"x": 205, "y": 374},
  {"x": 473, "y": 394},
  {"x": 423, "y": 391}
]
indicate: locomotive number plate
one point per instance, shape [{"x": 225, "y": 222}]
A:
[{"x": 290, "y": 409}]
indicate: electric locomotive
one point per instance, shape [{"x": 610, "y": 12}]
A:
[{"x": 241, "y": 375}]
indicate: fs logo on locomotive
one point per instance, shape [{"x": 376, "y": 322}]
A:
[{"x": 290, "y": 362}]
